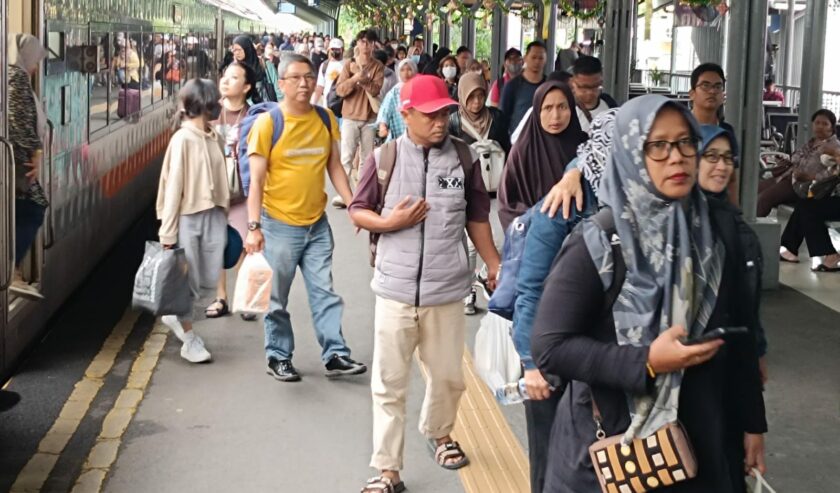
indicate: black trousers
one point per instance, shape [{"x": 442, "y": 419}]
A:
[
  {"x": 539, "y": 418},
  {"x": 808, "y": 223}
]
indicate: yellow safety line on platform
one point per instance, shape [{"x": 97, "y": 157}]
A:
[
  {"x": 104, "y": 453},
  {"x": 33, "y": 475},
  {"x": 497, "y": 461}
]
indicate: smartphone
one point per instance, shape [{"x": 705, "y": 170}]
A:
[{"x": 718, "y": 333}]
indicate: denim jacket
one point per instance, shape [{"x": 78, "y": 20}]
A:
[{"x": 543, "y": 242}]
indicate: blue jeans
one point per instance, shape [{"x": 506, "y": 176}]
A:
[
  {"x": 29, "y": 216},
  {"x": 310, "y": 247}
]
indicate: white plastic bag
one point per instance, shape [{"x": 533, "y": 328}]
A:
[
  {"x": 761, "y": 484},
  {"x": 253, "y": 285},
  {"x": 496, "y": 359}
]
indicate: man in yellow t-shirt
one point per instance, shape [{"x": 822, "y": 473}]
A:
[{"x": 286, "y": 203}]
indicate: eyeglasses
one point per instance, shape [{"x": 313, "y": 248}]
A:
[
  {"x": 295, "y": 79},
  {"x": 714, "y": 157},
  {"x": 709, "y": 87},
  {"x": 660, "y": 150}
]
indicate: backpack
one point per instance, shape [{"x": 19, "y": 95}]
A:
[
  {"x": 334, "y": 102},
  {"x": 278, "y": 120},
  {"x": 503, "y": 300},
  {"x": 385, "y": 167},
  {"x": 738, "y": 236},
  {"x": 491, "y": 155},
  {"x": 606, "y": 222}
]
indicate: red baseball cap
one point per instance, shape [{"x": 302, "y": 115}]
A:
[{"x": 426, "y": 94}]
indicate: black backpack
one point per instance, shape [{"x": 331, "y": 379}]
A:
[{"x": 334, "y": 101}]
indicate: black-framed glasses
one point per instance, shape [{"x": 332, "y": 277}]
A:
[
  {"x": 709, "y": 87},
  {"x": 659, "y": 150},
  {"x": 714, "y": 157}
]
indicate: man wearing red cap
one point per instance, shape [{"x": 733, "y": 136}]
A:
[{"x": 422, "y": 272}]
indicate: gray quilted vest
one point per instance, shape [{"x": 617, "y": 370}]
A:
[{"x": 425, "y": 265}]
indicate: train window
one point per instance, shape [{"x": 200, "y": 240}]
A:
[
  {"x": 157, "y": 67},
  {"x": 55, "y": 45},
  {"x": 119, "y": 76},
  {"x": 100, "y": 84}
]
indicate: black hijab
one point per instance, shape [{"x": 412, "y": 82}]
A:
[
  {"x": 538, "y": 159},
  {"x": 251, "y": 57}
]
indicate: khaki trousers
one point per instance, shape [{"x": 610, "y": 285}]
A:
[
  {"x": 437, "y": 333},
  {"x": 355, "y": 133}
]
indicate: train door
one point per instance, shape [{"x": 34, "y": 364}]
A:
[
  {"x": 26, "y": 283},
  {"x": 7, "y": 195}
]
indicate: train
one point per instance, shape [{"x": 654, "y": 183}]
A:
[{"x": 101, "y": 161}]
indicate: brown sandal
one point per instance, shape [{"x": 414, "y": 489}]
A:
[
  {"x": 447, "y": 451},
  {"x": 382, "y": 484}
]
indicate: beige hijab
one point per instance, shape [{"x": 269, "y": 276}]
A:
[
  {"x": 469, "y": 83},
  {"x": 27, "y": 52}
]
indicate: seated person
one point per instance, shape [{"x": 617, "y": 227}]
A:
[{"x": 780, "y": 189}]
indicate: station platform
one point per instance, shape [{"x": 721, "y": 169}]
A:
[{"x": 109, "y": 405}]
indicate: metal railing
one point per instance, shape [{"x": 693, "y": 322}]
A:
[
  {"x": 676, "y": 82},
  {"x": 831, "y": 99}
]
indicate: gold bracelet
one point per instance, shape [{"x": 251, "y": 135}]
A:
[{"x": 650, "y": 371}]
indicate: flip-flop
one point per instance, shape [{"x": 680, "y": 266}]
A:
[
  {"x": 783, "y": 259},
  {"x": 449, "y": 450}
]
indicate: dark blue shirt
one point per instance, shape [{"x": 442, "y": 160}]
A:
[{"x": 517, "y": 97}]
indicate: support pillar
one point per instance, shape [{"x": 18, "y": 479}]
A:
[
  {"x": 621, "y": 86},
  {"x": 746, "y": 52},
  {"x": 498, "y": 42},
  {"x": 618, "y": 36},
  {"x": 551, "y": 38},
  {"x": 810, "y": 93},
  {"x": 790, "y": 42},
  {"x": 468, "y": 33},
  {"x": 612, "y": 38}
]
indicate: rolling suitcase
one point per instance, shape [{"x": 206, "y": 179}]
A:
[{"x": 128, "y": 102}]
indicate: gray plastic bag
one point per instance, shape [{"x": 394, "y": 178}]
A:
[{"x": 162, "y": 284}]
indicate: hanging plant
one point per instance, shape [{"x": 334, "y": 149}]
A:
[{"x": 568, "y": 6}]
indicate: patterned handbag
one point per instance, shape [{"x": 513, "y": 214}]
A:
[{"x": 662, "y": 459}]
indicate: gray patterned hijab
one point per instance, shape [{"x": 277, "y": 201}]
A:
[{"x": 674, "y": 263}]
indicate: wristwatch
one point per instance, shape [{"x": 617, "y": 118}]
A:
[{"x": 254, "y": 225}]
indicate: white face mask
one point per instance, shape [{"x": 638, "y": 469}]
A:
[
  {"x": 449, "y": 72},
  {"x": 395, "y": 46}
]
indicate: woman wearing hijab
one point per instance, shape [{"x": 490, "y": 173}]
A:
[
  {"x": 717, "y": 165},
  {"x": 475, "y": 122},
  {"x": 244, "y": 52},
  {"x": 389, "y": 120},
  {"x": 546, "y": 234},
  {"x": 627, "y": 358},
  {"x": 27, "y": 130},
  {"x": 538, "y": 159},
  {"x": 474, "y": 119}
]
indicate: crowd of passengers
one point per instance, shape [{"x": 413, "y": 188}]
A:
[{"x": 602, "y": 312}]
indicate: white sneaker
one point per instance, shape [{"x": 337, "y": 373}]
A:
[
  {"x": 338, "y": 202},
  {"x": 193, "y": 349},
  {"x": 174, "y": 325},
  {"x": 469, "y": 303},
  {"x": 25, "y": 290}
]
